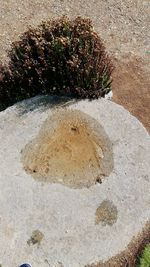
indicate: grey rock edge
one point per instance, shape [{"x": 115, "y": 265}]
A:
[{"x": 65, "y": 217}]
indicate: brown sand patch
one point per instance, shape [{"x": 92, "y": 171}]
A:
[
  {"x": 71, "y": 148},
  {"x": 106, "y": 213},
  {"x": 35, "y": 238}
]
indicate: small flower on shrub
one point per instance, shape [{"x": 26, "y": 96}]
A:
[{"x": 63, "y": 57}]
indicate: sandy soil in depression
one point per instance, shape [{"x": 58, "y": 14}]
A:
[{"x": 71, "y": 148}]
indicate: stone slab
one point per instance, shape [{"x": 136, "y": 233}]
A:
[{"x": 51, "y": 224}]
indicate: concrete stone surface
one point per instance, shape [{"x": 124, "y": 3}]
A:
[{"x": 53, "y": 223}]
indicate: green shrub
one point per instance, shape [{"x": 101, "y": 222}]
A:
[
  {"x": 61, "y": 57},
  {"x": 144, "y": 260}
]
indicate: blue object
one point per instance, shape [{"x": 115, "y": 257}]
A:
[{"x": 25, "y": 265}]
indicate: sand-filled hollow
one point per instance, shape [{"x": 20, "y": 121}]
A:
[{"x": 71, "y": 148}]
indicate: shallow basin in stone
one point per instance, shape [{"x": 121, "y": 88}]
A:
[{"x": 71, "y": 148}]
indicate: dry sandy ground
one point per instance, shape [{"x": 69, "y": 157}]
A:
[
  {"x": 131, "y": 87},
  {"x": 122, "y": 24}
]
